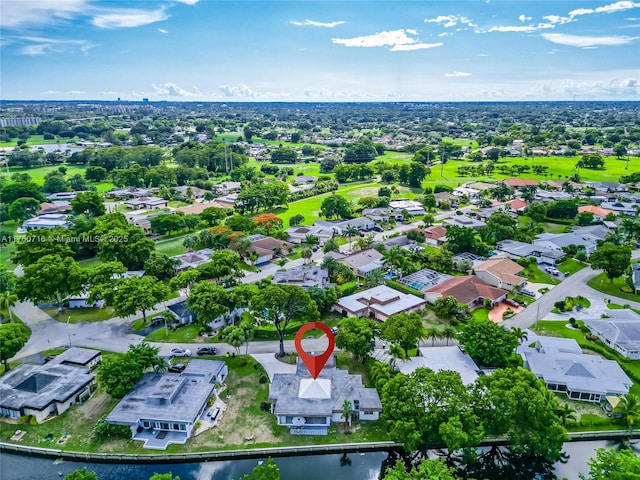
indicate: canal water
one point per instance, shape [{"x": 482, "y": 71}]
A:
[{"x": 312, "y": 467}]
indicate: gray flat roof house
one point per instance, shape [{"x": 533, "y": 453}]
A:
[
  {"x": 43, "y": 390},
  {"x": 192, "y": 259},
  {"x": 309, "y": 406},
  {"x": 517, "y": 250},
  {"x": 48, "y": 220},
  {"x": 556, "y": 241},
  {"x": 462, "y": 221},
  {"x": 378, "y": 303},
  {"x": 621, "y": 331},
  {"x": 363, "y": 262},
  {"x": 564, "y": 368},
  {"x": 304, "y": 276},
  {"x": 442, "y": 358},
  {"x": 340, "y": 226},
  {"x": 163, "y": 407},
  {"x": 78, "y": 357}
]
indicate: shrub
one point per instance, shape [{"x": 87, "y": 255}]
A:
[
  {"x": 265, "y": 406},
  {"x": 584, "y": 329},
  {"x": 572, "y": 321},
  {"x": 263, "y": 379}
]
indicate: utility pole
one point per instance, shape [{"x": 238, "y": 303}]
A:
[{"x": 537, "y": 316}]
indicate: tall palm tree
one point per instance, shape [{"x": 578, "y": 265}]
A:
[
  {"x": 629, "y": 408},
  {"x": 393, "y": 258},
  {"x": 449, "y": 333},
  {"x": 381, "y": 374},
  {"x": 630, "y": 228},
  {"x": 350, "y": 231},
  {"x": 396, "y": 352},
  {"x": 434, "y": 333},
  {"x": 565, "y": 412},
  {"x": 306, "y": 253},
  {"x": 347, "y": 409},
  {"x": 8, "y": 300},
  {"x": 520, "y": 334}
]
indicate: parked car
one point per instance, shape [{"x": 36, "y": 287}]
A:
[
  {"x": 180, "y": 352},
  {"x": 378, "y": 229},
  {"x": 48, "y": 358},
  {"x": 157, "y": 320},
  {"x": 207, "y": 351},
  {"x": 511, "y": 303},
  {"x": 528, "y": 293},
  {"x": 334, "y": 330},
  {"x": 177, "y": 368},
  {"x": 362, "y": 233}
]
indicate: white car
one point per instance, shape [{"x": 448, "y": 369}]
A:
[{"x": 181, "y": 352}]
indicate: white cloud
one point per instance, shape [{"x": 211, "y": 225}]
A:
[
  {"x": 41, "y": 45},
  {"x": 513, "y": 28},
  {"x": 162, "y": 30},
  {"x": 109, "y": 93},
  {"x": 586, "y": 40},
  {"x": 76, "y": 92},
  {"x": 170, "y": 89},
  {"x": 482, "y": 55},
  {"x": 31, "y": 12},
  {"x": 188, "y": 2},
  {"x": 448, "y": 21},
  {"x": 50, "y": 92},
  {"x": 129, "y": 18},
  {"x": 398, "y": 40},
  {"x": 457, "y": 74},
  {"x": 611, "y": 8},
  {"x": 523, "y": 18},
  {"x": 313, "y": 23},
  {"x": 239, "y": 90}
]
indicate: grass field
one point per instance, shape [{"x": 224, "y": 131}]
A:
[
  {"x": 78, "y": 315},
  {"x": 604, "y": 285},
  {"x": 38, "y": 140},
  {"x": 535, "y": 275},
  {"x": 571, "y": 266},
  {"x": 37, "y": 174},
  {"x": 186, "y": 334},
  {"x": 171, "y": 247}
]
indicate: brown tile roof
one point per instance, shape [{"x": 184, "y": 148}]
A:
[
  {"x": 521, "y": 182},
  {"x": 435, "y": 232},
  {"x": 503, "y": 268},
  {"x": 467, "y": 289},
  {"x": 601, "y": 212},
  {"x": 269, "y": 243}
]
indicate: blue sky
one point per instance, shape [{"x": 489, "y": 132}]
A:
[{"x": 216, "y": 50}]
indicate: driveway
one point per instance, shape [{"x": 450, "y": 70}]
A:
[
  {"x": 272, "y": 365},
  {"x": 495, "y": 315}
]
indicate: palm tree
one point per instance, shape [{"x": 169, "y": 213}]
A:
[
  {"x": 434, "y": 334},
  {"x": 449, "y": 333},
  {"x": 630, "y": 228},
  {"x": 347, "y": 408},
  {"x": 373, "y": 279},
  {"x": 629, "y": 409},
  {"x": 520, "y": 334},
  {"x": 565, "y": 412},
  {"x": 380, "y": 374},
  {"x": 394, "y": 257},
  {"x": 396, "y": 352},
  {"x": 8, "y": 300},
  {"x": 350, "y": 231},
  {"x": 306, "y": 253}
]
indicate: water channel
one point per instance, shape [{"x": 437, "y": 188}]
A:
[{"x": 313, "y": 467}]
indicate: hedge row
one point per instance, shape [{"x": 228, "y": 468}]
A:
[
  {"x": 404, "y": 289},
  {"x": 612, "y": 355},
  {"x": 269, "y": 331}
]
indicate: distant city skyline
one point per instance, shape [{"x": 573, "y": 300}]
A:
[{"x": 205, "y": 50}]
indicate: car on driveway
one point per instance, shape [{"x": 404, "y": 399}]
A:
[
  {"x": 378, "y": 229},
  {"x": 180, "y": 352},
  {"x": 334, "y": 330},
  {"x": 177, "y": 368},
  {"x": 207, "y": 351}
]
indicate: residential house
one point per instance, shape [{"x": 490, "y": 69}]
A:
[
  {"x": 142, "y": 222},
  {"x": 466, "y": 289},
  {"x": 80, "y": 300},
  {"x": 78, "y": 357},
  {"x": 483, "y": 214},
  {"x": 46, "y": 390},
  {"x": 445, "y": 197},
  {"x": 414, "y": 208},
  {"x": 131, "y": 192},
  {"x": 192, "y": 259},
  {"x": 622, "y": 208},
  {"x": 517, "y": 250},
  {"x": 50, "y": 220},
  {"x": 183, "y": 192},
  {"x": 635, "y": 277},
  {"x": 225, "y": 201},
  {"x": 196, "y": 208},
  {"x": 382, "y": 214},
  {"x": 299, "y": 234},
  {"x": 304, "y": 179},
  {"x": 308, "y": 406},
  {"x": 560, "y": 363},
  {"x": 62, "y": 196},
  {"x": 481, "y": 186},
  {"x": 378, "y": 303},
  {"x": 610, "y": 187},
  {"x": 267, "y": 248},
  {"x": 363, "y": 262},
  {"x": 499, "y": 271},
  {"x": 519, "y": 183},
  {"x": 147, "y": 203},
  {"x": 163, "y": 408},
  {"x": 620, "y": 331},
  {"x": 226, "y": 188},
  {"x": 551, "y": 195},
  {"x": 462, "y": 221},
  {"x": 556, "y": 241},
  {"x": 466, "y": 192},
  {"x": 435, "y": 235},
  {"x": 304, "y": 276},
  {"x": 184, "y": 315},
  {"x": 516, "y": 205},
  {"x": 599, "y": 213},
  {"x": 442, "y": 358},
  {"x": 340, "y": 226},
  {"x": 55, "y": 206}
]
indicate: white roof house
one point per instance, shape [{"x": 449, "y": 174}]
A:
[
  {"x": 442, "y": 358},
  {"x": 49, "y": 220},
  {"x": 621, "y": 331},
  {"x": 411, "y": 206},
  {"x": 379, "y": 303},
  {"x": 564, "y": 368}
]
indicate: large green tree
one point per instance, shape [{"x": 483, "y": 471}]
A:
[
  {"x": 83, "y": 474},
  {"x": 357, "y": 336},
  {"x": 13, "y": 336},
  {"x": 89, "y": 203},
  {"x": 208, "y": 301},
  {"x": 24, "y": 208},
  {"x": 137, "y": 294},
  {"x": 404, "y": 329},
  {"x": 266, "y": 471},
  {"x": 613, "y": 259},
  {"x": 335, "y": 206},
  {"x": 280, "y": 304},
  {"x": 42, "y": 242},
  {"x": 609, "y": 464},
  {"x": 427, "y": 469},
  {"x": 487, "y": 342},
  {"x": 50, "y": 278}
]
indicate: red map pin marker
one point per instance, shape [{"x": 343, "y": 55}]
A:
[{"x": 315, "y": 363}]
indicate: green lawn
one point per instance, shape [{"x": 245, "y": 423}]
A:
[
  {"x": 535, "y": 275},
  {"x": 480, "y": 314},
  {"x": 604, "y": 285},
  {"x": 38, "y": 140},
  {"x": 171, "y": 247},
  {"x": 186, "y": 334},
  {"x": 38, "y": 173},
  {"x": 77, "y": 315},
  {"x": 571, "y": 266},
  {"x": 89, "y": 263}
]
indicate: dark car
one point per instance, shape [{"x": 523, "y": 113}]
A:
[
  {"x": 207, "y": 351},
  {"x": 155, "y": 321},
  {"x": 378, "y": 229},
  {"x": 177, "y": 368}
]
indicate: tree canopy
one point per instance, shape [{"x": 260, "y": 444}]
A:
[
  {"x": 487, "y": 342},
  {"x": 13, "y": 336}
]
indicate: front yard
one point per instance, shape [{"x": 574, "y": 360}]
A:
[
  {"x": 535, "y": 275},
  {"x": 571, "y": 266},
  {"x": 77, "y": 315},
  {"x": 618, "y": 288}
]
